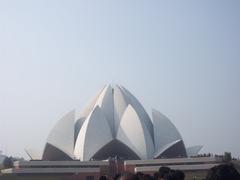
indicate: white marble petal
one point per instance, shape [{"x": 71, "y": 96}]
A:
[
  {"x": 88, "y": 108},
  {"x": 193, "y": 150},
  {"x": 164, "y": 131},
  {"x": 94, "y": 134},
  {"x": 62, "y": 135},
  {"x": 34, "y": 154},
  {"x": 133, "y": 133},
  {"x": 120, "y": 105},
  {"x": 164, "y": 148},
  {"x": 131, "y": 99},
  {"x": 105, "y": 102}
]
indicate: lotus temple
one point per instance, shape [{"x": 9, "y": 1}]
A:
[
  {"x": 112, "y": 134},
  {"x": 114, "y": 124}
]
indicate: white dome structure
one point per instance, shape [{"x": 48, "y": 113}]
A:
[{"x": 113, "y": 123}]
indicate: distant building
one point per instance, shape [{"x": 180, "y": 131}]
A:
[
  {"x": 92, "y": 170},
  {"x": 113, "y": 124},
  {"x": 82, "y": 170}
]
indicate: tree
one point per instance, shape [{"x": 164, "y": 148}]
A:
[{"x": 8, "y": 162}]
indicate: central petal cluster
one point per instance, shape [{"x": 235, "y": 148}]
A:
[
  {"x": 114, "y": 117},
  {"x": 113, "y": 123}
]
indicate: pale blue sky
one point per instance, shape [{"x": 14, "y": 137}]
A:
[{"x": 180, "y": 57}]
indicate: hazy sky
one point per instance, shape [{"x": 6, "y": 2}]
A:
[{"x": 180, "y": 57}]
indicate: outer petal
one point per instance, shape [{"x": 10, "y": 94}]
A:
[
  {"x": 193, "y": 150},
  {"x": 133, "y": 133},
  {"x": 85, "y": 112},
  {"x": 62, "y": 136},
  {"x": 52, "y": 153},
  {"x": 34, "y": 154},
  {"x": 131, "y": 99},
  {"x": 164, "y": 131},
  {"x": 100, "y": 99},
  {"x": 94, "y": 134},
  {"x": 172, "y": 150}
]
